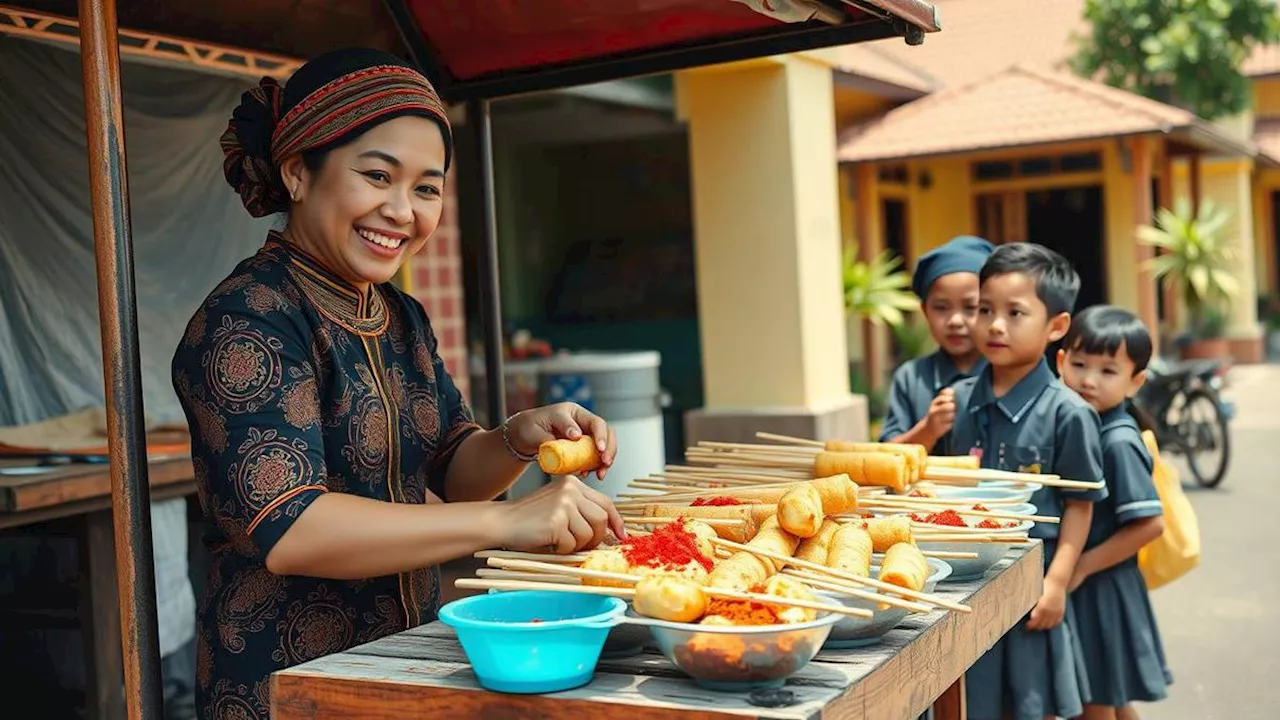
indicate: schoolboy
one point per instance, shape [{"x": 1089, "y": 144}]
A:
[
  {"x": 1017, "y": 416},
  {"x": 921, "y": 402}
]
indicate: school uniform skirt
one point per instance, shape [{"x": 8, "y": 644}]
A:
[
  {"x": 1030, "y": 675},
  {"x": 1116, "y": 626}
]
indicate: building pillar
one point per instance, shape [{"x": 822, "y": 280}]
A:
[
  {"x": 1230, "y": 185},
  {"x": 1141, "y": 148},
  {"x": 1169, "y": 304},
  {"x": 767, "y": 247},
  {"x": 869, "y": 235}
]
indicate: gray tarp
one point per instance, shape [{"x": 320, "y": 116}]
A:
[{"x": 189, "y": 230}]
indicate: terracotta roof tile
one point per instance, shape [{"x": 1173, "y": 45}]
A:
[
  {"x": 1022, "y": 105},
  {"x": 982, "y": 37},
  {"x": 1264, "y": 60},
  {"x": 1266, "y": 135}
]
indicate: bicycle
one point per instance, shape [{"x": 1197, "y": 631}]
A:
[{"x": 1183, "y": 403}]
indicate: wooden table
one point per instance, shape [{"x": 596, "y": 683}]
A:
[
  {"x": 423, "y": 672},
  {"x": 78, "y": 497}
]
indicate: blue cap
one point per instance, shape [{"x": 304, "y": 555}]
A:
[{"x": 965, "y": 253}]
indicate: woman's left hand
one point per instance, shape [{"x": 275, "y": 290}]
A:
[{"x": 563, "y": 421}]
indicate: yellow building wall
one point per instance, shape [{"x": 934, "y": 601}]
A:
[
  {"x": 853, "y": 106},
  {"x": 1266, "y": 98}
]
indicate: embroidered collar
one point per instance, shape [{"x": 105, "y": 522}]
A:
[
  {"x": 945, "y": 372},
  {"x": 1017, "y": 401},
  {"x": 338, "y": 300}
]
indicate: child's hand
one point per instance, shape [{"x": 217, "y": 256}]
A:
[
  {"x": 942, "y": 413},
  {"x": 1048, "y": 612}
]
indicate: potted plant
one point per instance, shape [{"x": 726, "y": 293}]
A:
[
  {"x": 1194, "y": 257},
  {"x": 878, "y": 292},
  {"x": 912, "y": 339}
]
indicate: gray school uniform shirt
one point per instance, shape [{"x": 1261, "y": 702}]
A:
[
  {"x": 915, "y": 385},
  {"x": 1039, "y": 426},
  {"x": 1128, "y": 468}
]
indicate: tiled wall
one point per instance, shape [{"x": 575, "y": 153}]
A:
[{"x": 436, "y": 277}]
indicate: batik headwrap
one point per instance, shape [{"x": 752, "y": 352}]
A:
[{"x": 312, "y": 112}]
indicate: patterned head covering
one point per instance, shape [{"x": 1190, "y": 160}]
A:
[{"x": 329, "y": 101}]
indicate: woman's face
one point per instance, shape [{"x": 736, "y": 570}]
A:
[{"x": 374, "y": 202}]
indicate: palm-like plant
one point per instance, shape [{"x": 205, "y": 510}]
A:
[
  {"x": 1195, "y": 257},
  {"x": 877, "y": 290}
]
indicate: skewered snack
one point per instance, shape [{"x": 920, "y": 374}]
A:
[
  {"x": 839, "y": 493},
  {"x": 815, "y": 549},
  {"x": 772, "y": 538},
  {"x": 963, "y": 462},
  {"x": 568, "y": 457},
  {"x": 703, "y": 535},
  {"x": 886, "y": 532},
  {"x": 850, "y": 551},
  {"x": 740, "y": 571},
  {"x": 905, "y": 566},
  {"x": 670, "y": 598},
  {"x": 786, "y": 587},
  {"x": 610, "y": 560},
  {"x": 739, "y": 533},
  {"x": 915, "y": 455},
  {"x": 800, "y": 510},
  {"x": 879, "y": 469}
]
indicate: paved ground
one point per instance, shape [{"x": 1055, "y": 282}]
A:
[{"x": 1221, "y": 623}]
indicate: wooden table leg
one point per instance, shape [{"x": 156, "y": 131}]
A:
[
  {"x": 100, "y": 618},
  {"x": 951, "y": 704}
]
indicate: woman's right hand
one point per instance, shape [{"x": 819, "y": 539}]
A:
[{"x": 564, "y": 516}]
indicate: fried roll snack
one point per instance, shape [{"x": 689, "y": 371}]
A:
[
  {"x": 800, "y": 510},
  {"x": 772, "y": 538},
  {"x": 740, "y": 571},
  {"x": 905, "y": 566},
  {"x": 815, "y": 549},
  {"x": 850, "y": 551},
  {"x": 703, "y": 535},
  {"x": 886, "y": 532},
  {"x": 606, "y": 560},
  {"x": 787, "y": 587},
  {"x": 963, "y": 462},
  {"x": 740, "y": 533},
  {"x": 670, "y": 598},
  {"x": 879, "y": 469},
  {"x": 915, "y": 455},
  {"x": 839, "y": 493},
  {"x": 569, "y": 457}
]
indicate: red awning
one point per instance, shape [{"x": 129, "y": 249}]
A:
[{"x": 490, "y": 48}]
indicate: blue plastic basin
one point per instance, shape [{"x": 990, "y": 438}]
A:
[{"x": 532, "y": 641}]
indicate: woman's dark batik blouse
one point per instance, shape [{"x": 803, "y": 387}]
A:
[{"x": 295, "y": 384}]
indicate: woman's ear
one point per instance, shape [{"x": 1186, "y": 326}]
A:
[{"x": 293, "y": 173}]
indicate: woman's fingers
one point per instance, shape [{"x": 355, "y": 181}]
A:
[
  {"x": 598, "y": 519},
  {"x": 614, "y": 518}
]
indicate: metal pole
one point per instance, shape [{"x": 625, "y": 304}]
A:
[
  {"x": 117, "y": 309},
  {"x": 490, "y": 291}
]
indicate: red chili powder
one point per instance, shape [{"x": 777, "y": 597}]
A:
[
  {"x": 946, "y": 517},
  {"x": 669, "y": 545},
  {"x": 714, "y": 501},
  {"x": 981, "y": 508}
]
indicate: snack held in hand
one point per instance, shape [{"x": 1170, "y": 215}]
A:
[{"x": 569, "y": 457}]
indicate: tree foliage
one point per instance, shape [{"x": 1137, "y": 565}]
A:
[{"x": 1186, "y": 52}]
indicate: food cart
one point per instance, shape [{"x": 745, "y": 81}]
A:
[{"x": 474, "y": 52}]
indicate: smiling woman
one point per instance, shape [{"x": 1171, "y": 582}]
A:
[{"x": 337, "y": 463}]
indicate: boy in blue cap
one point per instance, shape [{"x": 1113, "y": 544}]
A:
[
  {"x": 921, "y": 402},
  {"x": 1015, "y": 415}
]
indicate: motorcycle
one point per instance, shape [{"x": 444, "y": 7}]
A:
[{"x": 1182, "y": 401}]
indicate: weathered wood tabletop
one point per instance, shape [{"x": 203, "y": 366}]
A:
[
  {"x": 79, "y": 488},
  {"x": 423, "y": 672}
]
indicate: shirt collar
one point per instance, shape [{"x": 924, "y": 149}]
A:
[
  {"x": 1117, "y": 413},
  {"x": 946, "y": 374},
  {"x": 364, "y": 313},
  {"x": 1017, "y": 401}
]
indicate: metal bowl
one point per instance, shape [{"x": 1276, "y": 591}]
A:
[
  {"x": 986, "y": 495},
  {"x": 741, "y": 658},
  {"x": 989, "y": 554},
  {"x": 852, "y": 632}
]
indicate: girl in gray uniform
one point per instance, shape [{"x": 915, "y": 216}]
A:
[
  {"x": 922, "y": 405},
  {"x": 1017, "y": 416},
  {"x": 1104, "y": 359}
]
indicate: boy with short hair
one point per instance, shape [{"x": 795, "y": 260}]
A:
[
  {"x": 1017, "y": 416},
  {"x": 921, "y": 402}
]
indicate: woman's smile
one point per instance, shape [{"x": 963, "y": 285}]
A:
[{"x": 384, "y": 243}]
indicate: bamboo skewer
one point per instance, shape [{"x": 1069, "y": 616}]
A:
[
  {"x": 890, "y": 505},
  {"x": 828, "y": 583},
  {"x": 708, "y": 591},
  {"x": 750, "y": 471},
  {"x": 539, "y": 557},
  {"x": 879, "y": 584},
  {"x": 713, "y": 522},
  {"x": 495, "y": 574}
]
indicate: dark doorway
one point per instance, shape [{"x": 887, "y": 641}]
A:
[
  {"x": 1070, "y": 221},
  {"x": 893, "y": 219},
  {"x": 1275, "y": 238}
]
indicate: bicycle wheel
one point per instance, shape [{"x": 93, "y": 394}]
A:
[{"x": 1205, "y": 437}]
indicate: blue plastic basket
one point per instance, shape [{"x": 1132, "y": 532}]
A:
[{"x": 533, "y": 641}]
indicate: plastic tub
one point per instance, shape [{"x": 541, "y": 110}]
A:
[{"x": 531, "y": 642}]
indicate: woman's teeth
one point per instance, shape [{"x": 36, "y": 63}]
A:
[{"x": 379, "y": 239}]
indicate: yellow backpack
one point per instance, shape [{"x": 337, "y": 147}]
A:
[{"x": 1177, "y": 551}]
